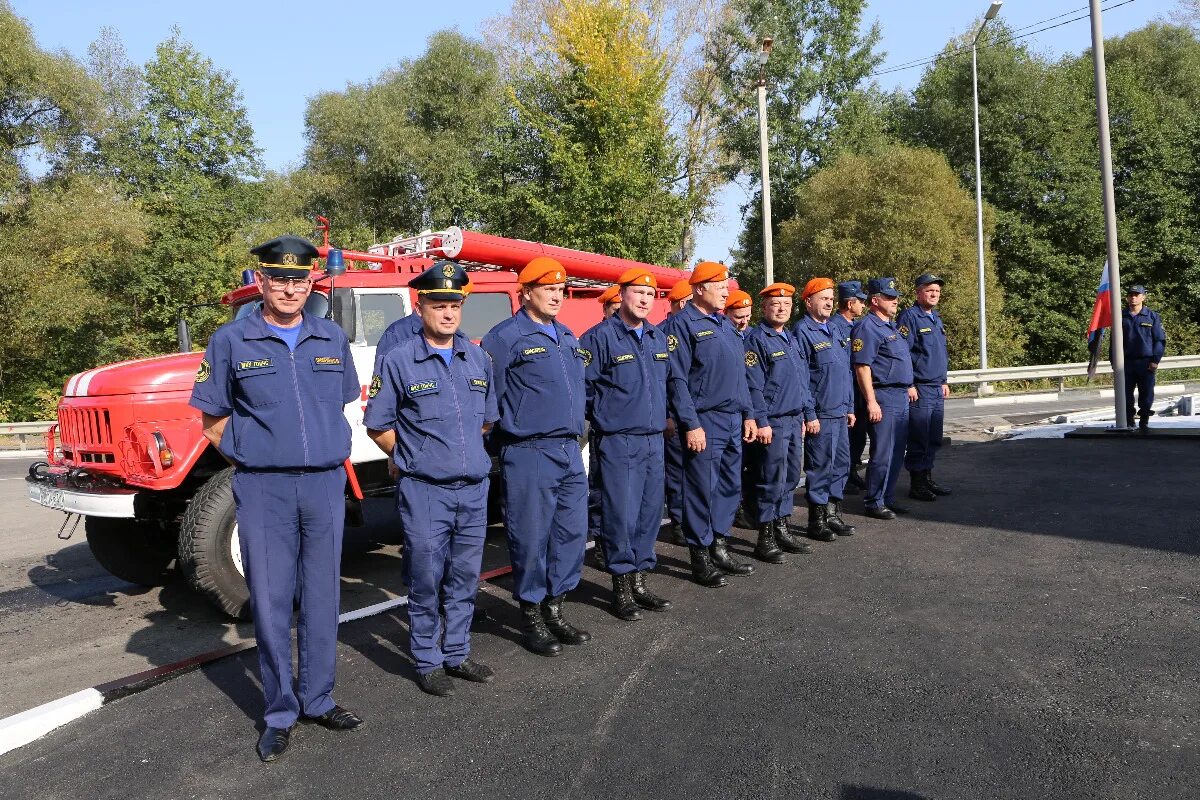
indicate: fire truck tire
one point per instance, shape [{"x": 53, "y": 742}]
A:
[
  {"x": 137, "y": 551},
  {"x": 205, "y": 546}
]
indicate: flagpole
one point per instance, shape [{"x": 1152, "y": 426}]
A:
[{"x": 1110, "y": 218}]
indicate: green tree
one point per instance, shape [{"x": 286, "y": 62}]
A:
[
  {"x": 819, "y": 59},
  {"x": 900, "y": 212}
]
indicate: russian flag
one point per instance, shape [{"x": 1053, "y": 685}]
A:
[{"x": 1101, "y": 319}]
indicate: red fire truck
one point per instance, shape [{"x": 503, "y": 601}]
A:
[{"x": 127, "y": 454}]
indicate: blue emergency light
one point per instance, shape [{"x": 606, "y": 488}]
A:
[{"x": 335, "y": 264}]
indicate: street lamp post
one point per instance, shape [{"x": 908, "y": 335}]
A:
[
  {"x": 983, "y": 362},
  {"x": 768, "y": 254}
]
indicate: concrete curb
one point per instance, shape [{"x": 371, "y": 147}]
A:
[{"x": 1076, "y": 394}]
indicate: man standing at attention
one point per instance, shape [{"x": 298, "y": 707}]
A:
[
  {"x": 679, "y": 296},
  {"x": 922, "y": 328},
  {"x": 852, "y": 301},
  {"x": 271, "y": 392},
  {"x": 1145, "y": 344},
  {"x": 537, "y": 369}
]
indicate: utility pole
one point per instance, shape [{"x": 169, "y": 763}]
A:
[
  {"x": 768, "y": 250},
  {"x": 992, "y": 11}
]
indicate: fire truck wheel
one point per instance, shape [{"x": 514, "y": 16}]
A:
[
  {"x": 208, "y": 547},
  {"x": 138, "y": 551}
]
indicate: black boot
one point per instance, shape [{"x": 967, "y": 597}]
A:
[
  {"x": 643, "y": 596},
  {"x": 623, "y": 606},
  {"x": 833, "y": 518},
  {"x": 703, "y": 571},
  {"x": 935, "y": 487},
  {"x": 1144, "y": 420},
  {"x": 818, "y": 528},
  {"x": 787, "y": 540},
  {"x": 854, "y": 482},
  {"x": 675, "y": 535},
  {"x": 538, "y": 638},
  {"x": 740, "y": 520},
  {"x": 599, "y": 554},
  {"x": 562, "y": 630},
  {"x": 725, "y": 561},
  {"x": 918, "y": 489},
  {"x": 767, "y": 549}
]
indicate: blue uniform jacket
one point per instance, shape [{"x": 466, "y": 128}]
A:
[
  {"x": 830, "y": 384},
  {"x": 708, "y": 369},
  {"x": 539, "y": 382},
  {"x": 397, "y": 332},
  {"x": 777, "y": 373},
  {"x": 878, "y": 343},
  {"x": 926, "y": 337},
  {"x": 285, "y": 407},
  {"x": 437, "y": 411},
  {"x": 626, "y": 377},
  {"x": 1144, "y": 334}
]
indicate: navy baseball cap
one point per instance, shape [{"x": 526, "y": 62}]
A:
[
  {"x": 1137, "y": 288},
  {"x": 883, "y": 286},
  {"x": 848, "y": 290},
  {"x": 929, "y": 278}
]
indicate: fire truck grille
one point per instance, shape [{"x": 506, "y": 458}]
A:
[{"x": 87, "y": 432}]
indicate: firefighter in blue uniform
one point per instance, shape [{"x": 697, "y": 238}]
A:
[
  {"x": 829, "y": 414},
  {"x": 271, "y": 391},
  {"x": 429, "y": 407},
  {"x": 777, "y": 373},
  {"x": 1145, "y": 344},
  {"x": 710, "y": 399},
  {"x": 610, "y": 301},
  {"x": 679, "y": 296},
  {"x": 852, "y": 301},
  {"x": 538, "y": 374},
  {"x": 625, "y": 360},
  {"x": 883, "y": 371},
  {"x": 922, "y": 328}
]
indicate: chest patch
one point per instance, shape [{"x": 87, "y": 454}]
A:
[
  {"x": 661, "y": 356},
  {"x": 1147, "y": 324},
  {"x": 926, "y": 330},
  {"x": 479, "y": 383},
  {"x": 702, "y": 334},
  {"x": 625, "y": 358},
  {"x": 327, "y": 361},
  {"x": 891, "y": 338},
  {"x": 819, "y": 346},
  {"x": 778, "y": 354},
  {"x": 422, "y": 387},
  {"x": 258, "y": 363},
  {"x": 533, "y": 351}
]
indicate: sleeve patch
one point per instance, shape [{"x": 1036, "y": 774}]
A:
[
  {"x": 857, "y": 346},
  {"x": 205, "y": 371},
  {"x": 586, "y": 355},
  {"x": 376, "y": 385},
  {"x": 904, "y": 331},
  {"x": 751, "y": 358},
  {"x": 672, "y": 342}
]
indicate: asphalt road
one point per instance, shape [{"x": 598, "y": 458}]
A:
[{"x": 1035, "y": 635}]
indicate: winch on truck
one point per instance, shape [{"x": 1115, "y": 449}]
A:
[{"x": 127, "y": 453}]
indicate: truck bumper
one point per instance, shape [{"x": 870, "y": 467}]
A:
[{"x": 98, "y": 502}]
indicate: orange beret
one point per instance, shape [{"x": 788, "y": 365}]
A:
[
  {"x": 610, "y": 295},
  {"x": 707, "y": 271},
  {"x": 637, "y": 276},
  {"x": 778, "y": 290},
  {"x": 680, "y": 291},
  {"x": 817, "y": 285},
  {"x": 737, "y": 299},
  {"x": 542, "y": 269}
]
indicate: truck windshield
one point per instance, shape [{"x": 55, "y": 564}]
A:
[
  {"x": 482, "y": 311},
  {"x": 316, "y": 305}
]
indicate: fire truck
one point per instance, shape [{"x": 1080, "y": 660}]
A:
[{"x": 127, "y": 455}]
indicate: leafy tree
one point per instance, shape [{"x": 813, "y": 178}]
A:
[{"x": 900, "y": 212}]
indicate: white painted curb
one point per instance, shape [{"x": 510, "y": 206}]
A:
[{"x": 21, "y": 729}]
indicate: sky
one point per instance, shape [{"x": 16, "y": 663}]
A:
[{"x": 281, "y": 54}]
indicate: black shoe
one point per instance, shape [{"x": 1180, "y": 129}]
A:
[
  {"x": 725, "y": 561},
  {"x": 767, "y": 549},
  {"x": 472, "y": 671},
  {"x": 338, "y": 719},
  {"x": 599, "y": 555},
  {"x": 936, "y": 487},
  {"x": 818, "y": 527},
  {"x": 273, "y": 742},
  {"x": 786, "y": 540},
  {"x": 854, "y": 482},
  {"x": 675, "y": 535},
  {"x": 623, "y": 606},
  {"x": 643, "y": 596},
  {"x": 899, "y": 509},
  {"x": 538, "y": 638},
  {"x": 833, "y": 518},
  {"x": 559, "y": 628},
  {"x": 880, "y": 512},
  {"x": 436, "y": 683},
  {"x": 917, "y": 488},
  {"x": 703, "y": 571}
]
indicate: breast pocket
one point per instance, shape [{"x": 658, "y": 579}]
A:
[
  {"x": 260, "y": 387},
  {"x": 427, "y": 404},
  {"x": 327, "y": 374}
]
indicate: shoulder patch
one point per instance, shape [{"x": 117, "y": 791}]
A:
[
  {"x": 857, "y": 346},
  {"x": 586, "y": 355},
  {"x": 751, "y": 358},
  {"x": 205, "y": 371},
  {"x": 904, "y": 331},
  {"x": 376, "y": 385},
  {"x": 672, "y": 342}
]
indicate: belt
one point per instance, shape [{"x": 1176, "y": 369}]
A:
[
  {"x": 286, "y": 470},
  {"x": 890, "y": 385}
]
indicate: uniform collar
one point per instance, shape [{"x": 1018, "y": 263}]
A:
[
  {"x": 256, "y": 328},
  {"x": 619, "y": 326},
  {"x": 769, "y": 331},
  {"x": 814, "y": 325},
  {"x": 883, "y": 323},
  {"x": 695, "y": 314},
  {"x": 526, "y": 325},
  {"x": 423, "y": 351}
]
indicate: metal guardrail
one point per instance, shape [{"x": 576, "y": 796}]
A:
[
  {"x": 24, "y": 429},
  {"x": 1059, "y": 371}
]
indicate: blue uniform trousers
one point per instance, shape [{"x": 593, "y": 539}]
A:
[
  {"x": 774, "y": 470},
  {"x": 593, "y": 480},
  {"x": 545, "y": 498},
  {"x": 631, "y": 498},
  {"x": 858, "y": 434},
  {"x": 888, "y": 439},
  {"x": 712, "y": 478},
  {"x": 1138, "y": 375},
  {"x": 290, "y": 526},
  {"x": 925, "y": 427},
  {"x": 673, "y": 456},
  {"x": 444, "y": 529},
  {"x": 827, "y": 460}
]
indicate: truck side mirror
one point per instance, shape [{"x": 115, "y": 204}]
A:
[{"x": 183, "y": 334}]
